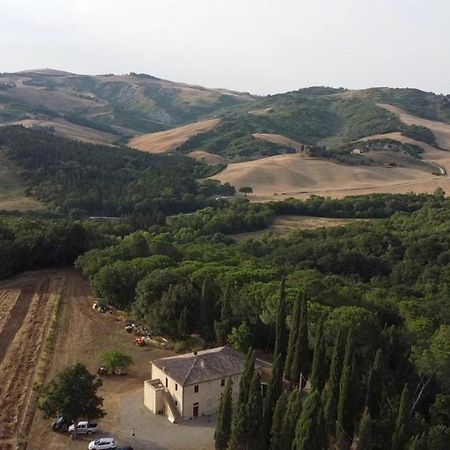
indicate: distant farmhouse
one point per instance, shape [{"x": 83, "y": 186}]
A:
[{"x": 187, "y": 386}]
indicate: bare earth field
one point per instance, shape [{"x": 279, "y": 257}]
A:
[
  {"x": 440, "y": 129},
  {"x": 206, "y": 157},
  {"x": 69, "y": 130},
  {"x": 283, "y": 225},
  {"x": 12, "y": 195},
  {"x": 279, "y": 139},
  {"x": 167, "y": 141}
]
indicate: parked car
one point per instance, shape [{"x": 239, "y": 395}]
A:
[
  {"x": 102, "y": 443},
  {"x": 84, "y": 427},
  {"x": 61, "y": 423}
]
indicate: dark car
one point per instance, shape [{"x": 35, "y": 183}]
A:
[{"x": 61, "y": 423}]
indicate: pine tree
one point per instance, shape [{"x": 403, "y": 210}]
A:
[
  {"x": 293, "y": 412},
  {"x": 276, "y": 441},
  {"x": 401, "y": 425},
  {"x": 365, "y": 432},
  {"x": 332, "y": 389},
  {"x": 345, "y": 410},
  {"x": 318, "y": 373},
  {"x": 375, "y": 387},
  {"x": 300, "y": 363},
  {"x": 239, "y": 432},
  {"x": 293, "y": 333},
  {"x": 310, "y": 432},
  {"x": 253, "y": 435},
  {"x": 280, "y": 326},
  {"x": 224, "y": 418},
  {"x": 273, "y": 394}
]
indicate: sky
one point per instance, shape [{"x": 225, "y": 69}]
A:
[{"x": 256, "y": 46}]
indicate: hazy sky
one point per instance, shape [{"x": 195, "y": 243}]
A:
[{"x": 259, "y": 46}]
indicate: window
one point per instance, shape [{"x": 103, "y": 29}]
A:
[
  {"x": 222, "y": 382},
  {"x": 176, "y": 386},
  {"x": 196, "y": 388},
  {"x": 167, "y": 382},
  {"x": 176, "y": 403}
]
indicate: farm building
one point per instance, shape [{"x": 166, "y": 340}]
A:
[{"x": 187, "y": 386}]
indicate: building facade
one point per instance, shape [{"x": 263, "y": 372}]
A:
[{"x": 187, "y": 386}]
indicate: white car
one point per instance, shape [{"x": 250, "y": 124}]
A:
[{"x": 102, "y": 443}]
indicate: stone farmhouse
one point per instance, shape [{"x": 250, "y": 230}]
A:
[{"x": 187, "y": 386}]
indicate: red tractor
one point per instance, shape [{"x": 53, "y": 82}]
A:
[{"x": 139, "y": 341}]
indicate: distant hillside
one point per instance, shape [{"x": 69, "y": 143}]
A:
[{"x": 121, "y": 105}]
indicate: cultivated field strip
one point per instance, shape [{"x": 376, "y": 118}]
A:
[
  {"x": 21, "y": 358},
  {"x": 8, "y": 299}
]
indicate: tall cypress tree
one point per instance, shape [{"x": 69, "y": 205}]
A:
[
  {"x": 276, "y": 441},
  {"x": 318, "y": 372},
  {"x": 206, "y": 310},
  {"x": 365, "y": 432},
  {"x": 310, "y": 432},
  {"x": 375, "y": 387},
  {"x": 345, "y": 411},
  {"x": 293, "y": 333},
  {"x": 293, "y": 413},
  {"x": 300, "y": 364},
  {"x": 223, "y": 327},
  {"x": 332, "y": 389},
  {"x": 253, "y": 435},
  {"x": 224, "y": 418},
  {"x": 273, "y": 393},
  {"x": 238, "y": 434},
  {"x": 401, "y": 425},
  {"x": 280, "y": 326}
]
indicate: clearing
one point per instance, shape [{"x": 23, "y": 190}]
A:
[
  {"x": 283, "y": 225},
  {"x": 167, "y": 141},
  {"x": 83, "y": 335},
  {"x": 12, "y": 195}
]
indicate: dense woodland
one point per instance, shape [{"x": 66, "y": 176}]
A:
[{"x": 86, "y": 179}]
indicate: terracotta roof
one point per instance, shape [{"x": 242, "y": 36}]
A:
[{"x": 206, "y": 365}]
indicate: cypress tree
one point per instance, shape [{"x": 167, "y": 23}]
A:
[
  {"x": 365, "y": 432},
  {"x": 206, "y": 313},
  {"x": 182, "y": 325},
  {"x": 375, "y": 387},
  {"x": 293, "y": 333},
  {"x": 417, "y": 443},
  {"x": 318, "y": 373},
  {"x": 346, "y": 401},
  {"x": 332, "y": 389},
  {"x": 401, "y": 425},
  {"x": 293, "y": 412},
  {"x": 223, "y": 327},
  {"x": 276, "y": 441},
  {"x": 223, "y": 424},
  {"x": 310, "y": 432},
  {"x": 280, "y": 326},
  {"x": 273, "y": 394},
  {"x": 253, "y": 435},
  {"x": 300, "y": 363},
  {"x": 239, "y": 432}
]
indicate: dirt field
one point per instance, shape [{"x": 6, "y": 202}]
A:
[
  {"x": 292, "y": 175},
  {"x": 285, "y": 224},
  {"x": 30, "y": 301},
  {"x": 12, "y": 195},
  {"x": 69, "y": 130},
  {"x": 83, "y": 336},
  {"x": 167, "y": 141},
  {"x": 206, "y": 157},
  {"x": 441, "y": 130},
  {"x": 279, "y": 139}
]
